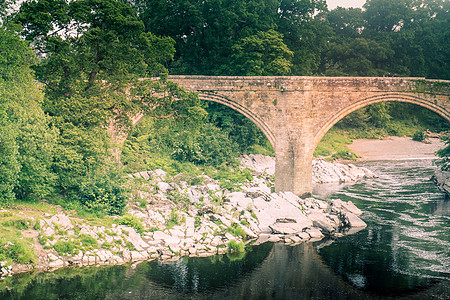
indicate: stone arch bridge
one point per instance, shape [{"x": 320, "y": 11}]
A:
[{"x": 295, "y": 112}]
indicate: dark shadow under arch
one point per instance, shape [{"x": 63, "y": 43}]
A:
[
  {"x": 391, "y": 97},
  {"x": 242, "y": 110}
]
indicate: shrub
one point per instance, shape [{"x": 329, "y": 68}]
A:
[
  {"x": 236, "y": 230},
  {"x": 64, "y": 247},
  {"x": 88, "y": 242},
  {"x": 419, "y": 136},
  {"x": 234, "y": 246},
  {"x": 197, "y": 221},
  {"x": 175, "y": 219},
  {"x": 104, "y": 193},
  {"x": 134, "y": 222}
]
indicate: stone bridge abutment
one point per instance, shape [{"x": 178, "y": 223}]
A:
[{"x": 295, "y": 112}]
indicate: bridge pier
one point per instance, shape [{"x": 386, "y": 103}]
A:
[{"x": 293, "y": 167}]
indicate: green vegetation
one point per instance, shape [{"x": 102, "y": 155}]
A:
[
  {"x": 234, "y": 246},
  {"x": 237, "y": 230},
  {"x": 175, "y": 219},
  {"x": 133, "y": 221},
  {"x": 445, "y": 155},
  {"x": 72, "y": 245}
]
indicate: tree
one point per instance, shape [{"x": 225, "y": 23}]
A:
[
  {"x": 347, "y": 23},
  {"x": 205, "y": 31},
  {"x": 305, "y": 33},
  {"x": 261, "y": 54},
  {"x": 92, "y": 52},
  {"x": 357, "y": 57},
  {"x": 416, "y": 31},
  {"x": 26, "y": 140}
]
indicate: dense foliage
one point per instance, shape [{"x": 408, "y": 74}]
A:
[
  {"x": 26, "y": 139},
  {"x": 74, "y": 74},
  {"x": 407, "y": 37}
]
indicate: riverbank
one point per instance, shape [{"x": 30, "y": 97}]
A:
[
  {"x": 170, "y": 217},
  {"x": 403, "y": 148},
  {"x": 396, "y": 148}
]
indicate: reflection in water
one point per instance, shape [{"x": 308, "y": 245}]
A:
[
  {"x": 404, "y": 252},
  {"x": 269, "y": 272}
]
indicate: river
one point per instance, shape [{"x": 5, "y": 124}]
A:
[{"x": 403, "y": 253}]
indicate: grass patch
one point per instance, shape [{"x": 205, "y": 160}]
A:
[
  {"x": 65, "y": 247},
  {"x": 175, "y": 219},
  {"x": 237, "y": 230},
  {"x": 16, "y": 249},
  {"x": 82, "y": 242},
  {"x": 335, "y": 141},
  {"x": 134, "y": 222}
]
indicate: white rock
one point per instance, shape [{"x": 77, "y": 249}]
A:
[
  {"x": 354, "y": 220},
  {"x": 287, "y": 228},
  {"x": 62, "y": 221},
  {"x": 159, "y": 235},
  {"x": 56, "y": 264},
  {"x": 136, "y": 255},
  {"x": 52, "y": 257},
  {"x": 163, "y": 187},
  {"x": 321, "y": 220},
  {"x": 315, "y": 233},
  {"x": 176, "y": 232},
  {"x": 303, "y": 235}
]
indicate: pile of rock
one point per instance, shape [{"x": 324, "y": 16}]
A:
[
  {"x": 327, "y": 172},
  {"x": 323, "y": 171}
]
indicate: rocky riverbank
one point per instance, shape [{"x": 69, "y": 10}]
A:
[
  {"x": 169, "y": 217},
  {"x": 323, "y": 171}
]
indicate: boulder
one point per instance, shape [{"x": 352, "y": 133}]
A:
[
  {"x": 163, "y": 187},
  {"x": 442, "y": 179},
  {"x": 354, "y": 221},
  {"x": 338, "y": 205},
  {"x": 287, "y": 228}
]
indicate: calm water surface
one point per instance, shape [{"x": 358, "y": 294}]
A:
[{"x": 403, "y": 253}]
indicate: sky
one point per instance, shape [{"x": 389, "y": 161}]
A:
[{"x": 332, "y": 4}]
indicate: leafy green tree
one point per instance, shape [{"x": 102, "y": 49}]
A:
[
  {"x": 416, "y": 32},
  {"x": 346, "y": 23},
  {"x": 27, "y": 141},
  {"x": 357, "y": 57},
  {"x": 237, "y": 127},
  {"x": 261, "y": 55},
  {"x": 305, "y": 33},
  {"x": 205, "y": 31},
  {"x": 9, "y": 165},
  {"x": 92, "y": 52}
]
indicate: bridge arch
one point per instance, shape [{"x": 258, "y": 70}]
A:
[
  {"x": 391, "y": 97},
  {"x": 241, "y": 109}
]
